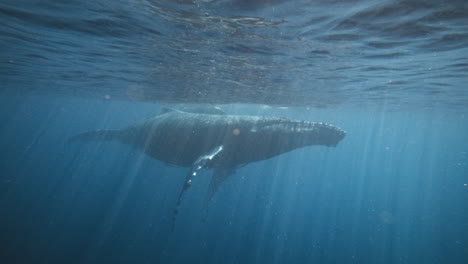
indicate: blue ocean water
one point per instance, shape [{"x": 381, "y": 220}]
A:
[{"x": 393, "y": 74}]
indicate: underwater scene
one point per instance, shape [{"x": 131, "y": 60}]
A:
[{"x": 234, "y": 131}]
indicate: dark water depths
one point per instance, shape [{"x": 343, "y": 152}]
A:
[{"x": 393, "y": 74}]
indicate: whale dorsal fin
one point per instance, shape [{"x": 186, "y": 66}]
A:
[
  {"x": 204, "y": 109},
  {"x": 201, "y": 109},
  {"x": 167, "y": 110}
]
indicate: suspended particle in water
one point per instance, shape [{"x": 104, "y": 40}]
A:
[{"x": 386, "y": 217}]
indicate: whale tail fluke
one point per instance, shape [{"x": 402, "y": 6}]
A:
[{"x": 98, "y": 135}]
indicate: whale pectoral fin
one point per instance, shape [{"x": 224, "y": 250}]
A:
[
  {"x": 199, "y": 164},
  {"x": 187, "y": 184},
  {"x": 220, "y": 174}
]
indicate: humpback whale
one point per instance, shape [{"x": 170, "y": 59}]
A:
[{"x": 216, "y": 141}]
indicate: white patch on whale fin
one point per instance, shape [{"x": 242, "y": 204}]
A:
[{"x": 200, "y": 163}]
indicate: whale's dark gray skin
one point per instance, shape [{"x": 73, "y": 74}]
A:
[{"x": 220, "y": 142}]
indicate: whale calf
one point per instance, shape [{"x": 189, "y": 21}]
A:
[{"x": 217, "y": 141}]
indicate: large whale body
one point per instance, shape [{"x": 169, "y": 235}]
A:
[{"x": 217, "y": 141}]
